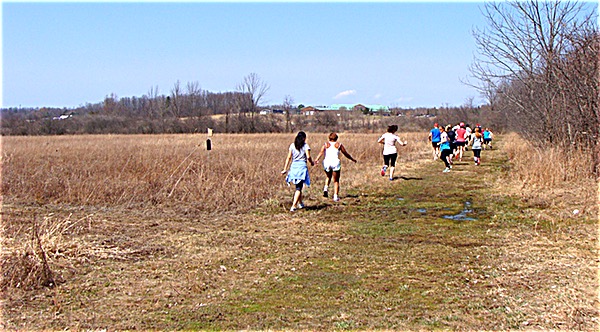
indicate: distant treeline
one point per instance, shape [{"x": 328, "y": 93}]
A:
[{"x": 195, "y": 112}]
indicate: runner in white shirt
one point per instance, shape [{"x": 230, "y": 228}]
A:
[
  {"x": 390, "y": 153},
  {"x": 332, "y": 164}
]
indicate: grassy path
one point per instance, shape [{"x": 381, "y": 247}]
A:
[
  {"x": 410, "y": 254},
  {"x": 430, "y": 250}
]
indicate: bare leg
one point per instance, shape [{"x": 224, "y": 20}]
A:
[
  {"x": 336, "y": 183},
  {"x": 327, "y": 183},
  {"x": 328, "y": 179},
  {"x": 297, "y": 198},
  {"x": 392, "y": 172}
]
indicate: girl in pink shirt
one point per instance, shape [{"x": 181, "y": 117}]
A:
[{"x": 461, "y": 140}]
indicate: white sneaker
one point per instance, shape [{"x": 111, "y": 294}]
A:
[
  {"x": 300, "y": 206},
  {"x": 336, "y": 198},
  {"x": 293, "y": 209},
  {"x": 446, "y": 170}
]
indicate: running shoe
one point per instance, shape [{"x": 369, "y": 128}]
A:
[
  {"x": 293, "y": 209},
  {"x": 383, "y": 169},
  {"x": 300, "y": 206},
  {"x": 336, "y": 198},
  {"x": 325, "y": 193},
  {"x": 446, "y": 170}
]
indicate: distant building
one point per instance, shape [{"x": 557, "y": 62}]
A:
[
  {"x": 363, "y": 108},
  {"x": 63, "y": 116}
]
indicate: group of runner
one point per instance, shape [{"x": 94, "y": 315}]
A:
[
  {"x": 451, "y": 142},
  {"x": 447, "y": 143}
]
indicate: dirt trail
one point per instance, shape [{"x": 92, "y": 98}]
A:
[{"x": 448, "y": 250}]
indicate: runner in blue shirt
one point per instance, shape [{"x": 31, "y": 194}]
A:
[
  {"x": 435, "y": 138},
  {"x": 487, "y": 138},
  {"x": 445, "y": 148}
]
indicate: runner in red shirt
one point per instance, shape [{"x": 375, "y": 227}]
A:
[{"x": 461, "y": 140}]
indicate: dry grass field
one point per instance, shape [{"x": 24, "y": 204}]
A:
[
  {"x": 173, "y": 171},
  {"x": 155, "y": 232}
]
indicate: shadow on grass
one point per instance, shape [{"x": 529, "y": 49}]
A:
[
  {"x": 316, "y": 207},
  {"x": 407, "y": 178}
]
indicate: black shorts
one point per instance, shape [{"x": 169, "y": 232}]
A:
[
  {"x": 459, "y": 143},
  {"x": 435, "y": 144},
  {"x": 390, "y": 159}
]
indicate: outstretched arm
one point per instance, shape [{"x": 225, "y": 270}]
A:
[{"x": 343, "y": 149}]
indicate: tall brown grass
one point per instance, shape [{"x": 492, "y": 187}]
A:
[
  {"x": 563, "y": 178},
  {"x": 166, "y": 170},
  {"x": 47, "y": 179}
]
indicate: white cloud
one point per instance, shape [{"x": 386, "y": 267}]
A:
[
  {"x": 405, "y": 99},
  {"x": 345, "y": 94},
  {"x": 378, "y": 96}
]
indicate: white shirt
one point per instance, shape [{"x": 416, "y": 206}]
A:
[
  {"x": 332, "y": 154},
  {"x": 389, "y": 143}
]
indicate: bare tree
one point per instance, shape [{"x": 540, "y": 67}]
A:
[
  {"x": 252, "y": 90},
  {"x": 111, "y": 105},
  {"x": 194, "y": 96},
  {"x": 288, "y": 102},
  {"x": 521, "y": 53},
  {"x": 176, "y": 100}
]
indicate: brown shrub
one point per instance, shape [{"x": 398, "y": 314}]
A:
[{"x": 551, "y": 175}]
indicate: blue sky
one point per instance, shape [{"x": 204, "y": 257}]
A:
[{"x": 393, "y": 53}]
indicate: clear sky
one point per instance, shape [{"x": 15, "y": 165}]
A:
[{"x": 400, "y": 54}]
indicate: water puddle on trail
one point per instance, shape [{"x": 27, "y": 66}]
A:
[{"x": 462, "y": 216}]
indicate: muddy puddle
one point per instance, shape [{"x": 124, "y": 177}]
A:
[{"x": 463, "y": 215}]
